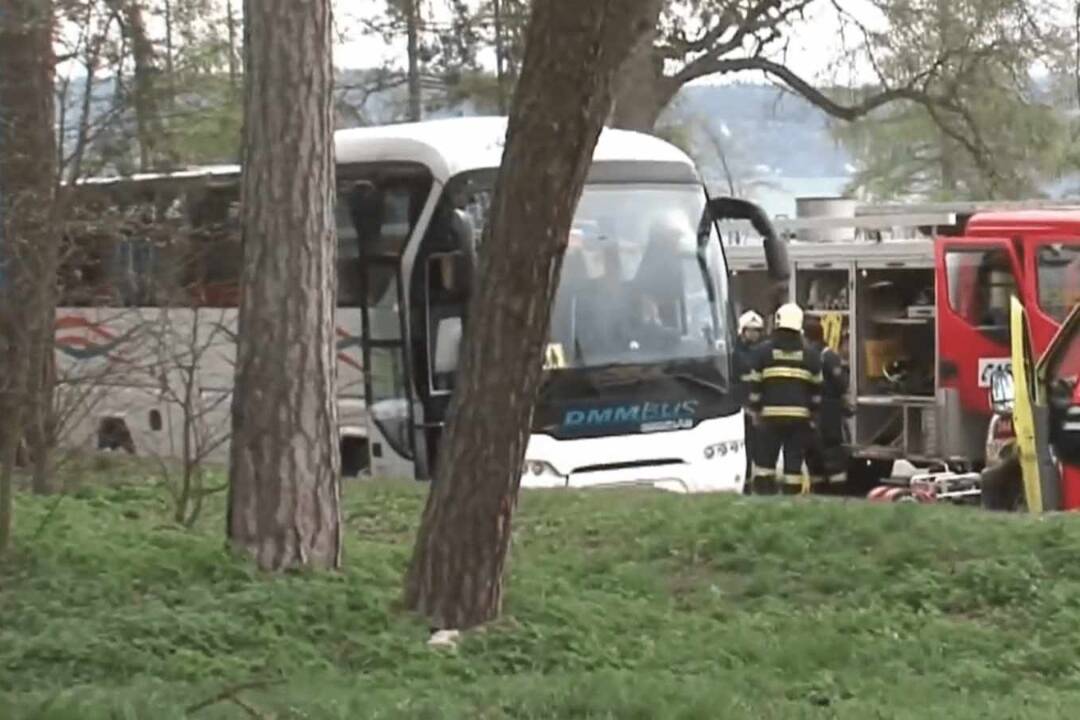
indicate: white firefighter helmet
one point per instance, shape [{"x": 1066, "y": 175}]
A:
[
  {"x": 750, "y": 320},
  {"x": 790, "y": 317}
]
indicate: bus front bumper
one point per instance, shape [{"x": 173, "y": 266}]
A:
[{"x": 708, "y": 458}]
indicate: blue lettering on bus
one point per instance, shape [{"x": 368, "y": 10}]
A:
[{"x": 629, "y": 414}]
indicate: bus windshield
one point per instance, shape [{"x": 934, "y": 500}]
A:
[{"x": 638, "y": 285}]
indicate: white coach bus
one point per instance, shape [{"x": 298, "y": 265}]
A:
[{"x": 638, "y": 379}]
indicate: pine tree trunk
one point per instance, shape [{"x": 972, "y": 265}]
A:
[
  {"x": 284, "y": 479},
  {"x": 564, "y": 94},
  {"x": 500, "y": 57},
  {"x": 30, "y": 239},
  {"x": 154, "y": 150},
  {"x": 412, "y": 31},
  {"x": 230, "y": 22}
]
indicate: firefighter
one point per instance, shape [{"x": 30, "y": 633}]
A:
[
  {"x": 785, "y": 394},
  {"x": 751, "y": 326},
  {"x": 825, "y": 457}
]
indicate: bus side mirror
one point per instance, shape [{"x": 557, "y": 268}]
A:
[
  {"x": 463, "y": 236},
  {"x": 447, "y": 345},
  {"x": 776, "y": 255}
]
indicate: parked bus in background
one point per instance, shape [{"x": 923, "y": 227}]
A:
[{"x": 637, "y": 386}]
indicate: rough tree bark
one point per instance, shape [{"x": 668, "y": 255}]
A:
[
  {"x": 642, "y": 90},
  {"x": 30, "y": 247},
  {"x": 230, "y": 24},
  {"x": 572, "y": 54},
  {"x": 412, "y": 33},
  {"x": 154, "y": 152},
  {"x": 284, "y": 479},
  {"x": 500, "y": 57}
]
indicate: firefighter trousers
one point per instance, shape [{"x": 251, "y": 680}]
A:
[
  {"x": 749, "y": 454},
  {"x": 771, "y": 438},
  {"x": 826, "y": 460}
]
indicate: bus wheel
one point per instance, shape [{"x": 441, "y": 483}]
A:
[
  {"x": 113, "y": 434},
  {"x": 354, "y": 456}
]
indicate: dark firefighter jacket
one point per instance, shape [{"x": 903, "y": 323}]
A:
[
  {"x": 744, "y": 370},
  {"x": 833, "y": 391},
  {"x": 786, "y": 379}
]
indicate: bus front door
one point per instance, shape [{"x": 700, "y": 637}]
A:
[{"x": 384, "y": 211}]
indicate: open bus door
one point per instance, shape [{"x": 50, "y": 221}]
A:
[
  {"x": 385, "y": 205},
  {"x": 442, "y": 279}
]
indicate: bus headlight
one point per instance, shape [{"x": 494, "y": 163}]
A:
[
  {"x": 538, "y": 468},
  {"x": 723, "y": 449}
]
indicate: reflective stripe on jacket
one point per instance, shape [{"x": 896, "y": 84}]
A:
[{"x": 786, "y": 378}]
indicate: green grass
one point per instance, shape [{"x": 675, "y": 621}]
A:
[{"x": 620, "y": 605}]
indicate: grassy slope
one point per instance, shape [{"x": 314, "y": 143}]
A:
[{"x": 621, "y": 605}]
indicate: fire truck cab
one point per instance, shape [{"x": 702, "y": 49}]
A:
[{"x": 1034, "y": 255}]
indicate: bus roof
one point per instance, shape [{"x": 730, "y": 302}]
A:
[
  {"x": 446, "y": 147},
  {"x": 194, "y": 173},
  {"x": 456, "y": 145}
]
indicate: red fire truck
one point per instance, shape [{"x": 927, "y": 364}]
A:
[{"x": 923, "y": 296}]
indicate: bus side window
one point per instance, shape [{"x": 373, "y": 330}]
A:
[
  {"x": 81, "y": 270},
  {"x": 980, "y": 284},
  {"x": 214, "y": 253},
  {"x": 350, "y": 287},
  {"x": 375, "y": 220}
]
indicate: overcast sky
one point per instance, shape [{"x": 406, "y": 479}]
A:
[{"x": 814, "y": 50}]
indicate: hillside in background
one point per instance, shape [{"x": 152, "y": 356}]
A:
[{"x": 776, "y": 145}]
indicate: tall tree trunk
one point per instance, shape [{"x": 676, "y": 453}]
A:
[
  {"x": 230, "y": 21},
  {"x": 642, "y": 91},
  {"x": 515, "y": 15},
  {"x": 82, "y": 135},
  {"x": 170, "y": 52},
  {"x": 28, "y": 178},
  {"x": 572, "y": 54},
  {"x": 284, "y": 504},
  {"x": 500, "y": 57},
  {"x": 412, "y": 29},
  {"x": 148, "y": 121},
  {"x": 949, "y": 181}
]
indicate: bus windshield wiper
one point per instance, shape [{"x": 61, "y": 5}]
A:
[{"x": 698, "y": 382}]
